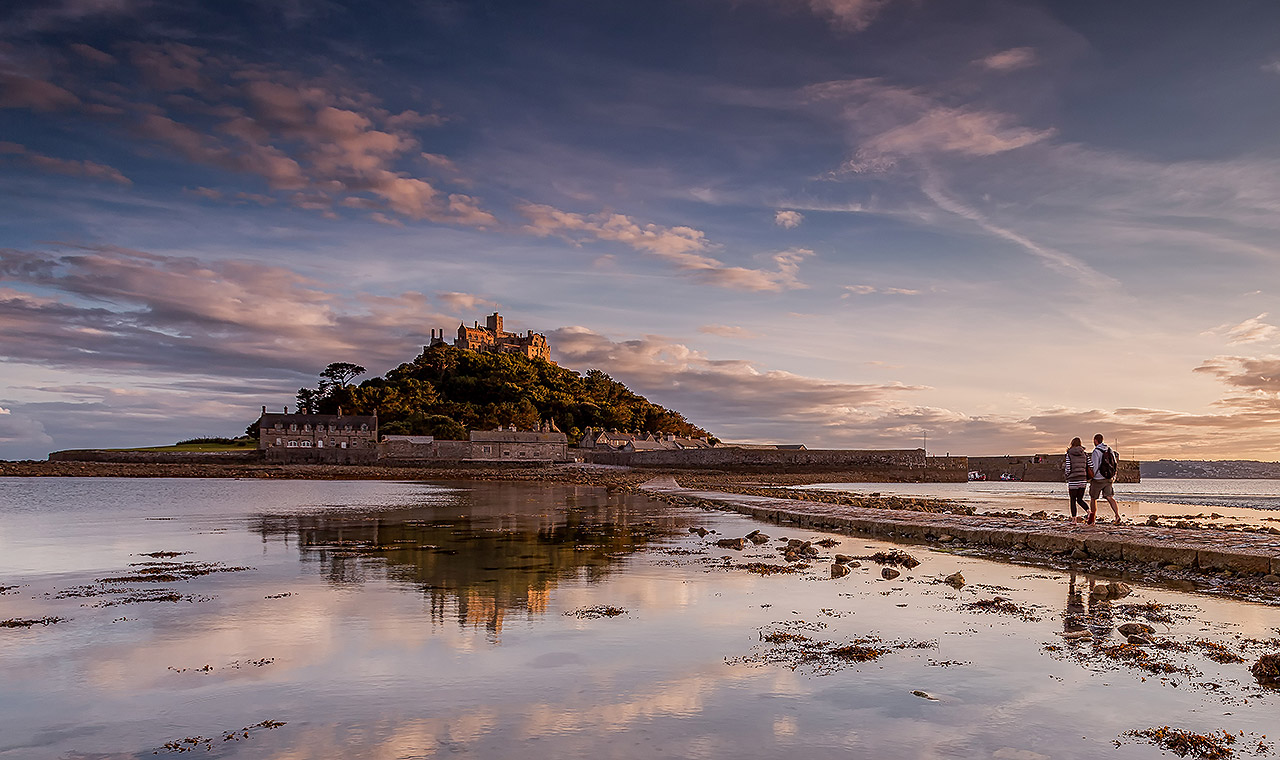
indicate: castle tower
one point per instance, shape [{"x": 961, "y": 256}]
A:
[{"x": 494, "y": 323}]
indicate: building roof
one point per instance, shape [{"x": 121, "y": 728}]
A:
[
  {"x": 516, "y": 436},
  {"x": 419, "y": 439},
  {"x": 341, "y": 420}
]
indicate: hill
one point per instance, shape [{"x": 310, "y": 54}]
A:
[{"x": 448, "y": 391}]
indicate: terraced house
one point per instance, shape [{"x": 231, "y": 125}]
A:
[{"x": 320, "y": 438}]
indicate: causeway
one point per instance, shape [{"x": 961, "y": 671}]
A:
[{"x": 1209, "y": 550}]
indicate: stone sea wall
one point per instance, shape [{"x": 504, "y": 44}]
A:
[
  {"x": 157, "y": 457},
  {"x": 1043, "y": 468}
]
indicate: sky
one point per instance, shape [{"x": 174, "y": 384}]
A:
[{"x": 988, "y": 225}]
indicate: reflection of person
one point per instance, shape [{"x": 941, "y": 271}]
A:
[
  {"x": 1076, "y": 466},
  {"x": 1099, "y": 611},
  {"x": 1073, "y": 622},
  {"x": 1099, "y": 484}
]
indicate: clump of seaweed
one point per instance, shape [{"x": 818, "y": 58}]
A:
[
  {"x": 170, "y": 572},
  {"x": 1217, "y": 652},
  {"x": 1267, "y": 669},
  {"x": 1186, "y": 743},
  {"x": 789, "y": 648},
  {"x": 598, "y": 611},
  {"x": 162, "y": 555},
  {"x": 1002, "y": 606},
  {"x": 1135, "y": 656},
  {"x": 7, "y": 589},
  {"x": 895, "y": 557},
  {"x": 192, "y": 743},
  {"x": 1152, "y": 612},
  {"x": 28, "y": 622},
  {"x": 764, "y": 568}
]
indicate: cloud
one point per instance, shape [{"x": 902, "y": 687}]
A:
[
  {"x": 61, "y": 14},
  {"x": 115, "y": 309},
  {"x": 849, "y": 15},
  {"x": 866, "y": 290},
  {"x": 727, "y": 331},
  {"x": 1256, "y": 374},
  {"x": 788, "y": 219},
  {"x": 465, "y": 302},
  {"x": 1010, "y": 60},
  {"x": 891, "y": 123},
  {"x": 683, "y": 247},
  {"x": 20, "y": 435},
  {"x": 71, "y": 167},
  {"x": 21, "y": 91},
  {"x": 1271, "y": 67},
  {"x": 318, "y": 142},
  {"x": 715, "y": 391},
  {"x": 1252, "y": 330}
]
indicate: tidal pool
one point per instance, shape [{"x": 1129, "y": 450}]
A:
[{"x": 316, "y": 619}]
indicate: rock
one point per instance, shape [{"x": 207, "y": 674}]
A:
[
  {"x": 955, "y": 580},
  {"x": 1173, "y": 568},
  {"x": 1082, "y": 633},
  {"x": 693, "y": 530},
  {"x": 1139, "y": 641},
  {"x": 791, "y": 557},
  {"x": 732, "y": 543},
  {"x": 838, "y": 570},
  {"x": 889, "y": 573},
  {"x": 1267, "y": 669},
  {"x": 795, "y": 543},
  {"x": 1118, "y": 590},
  {"x": 1135, "y": 629},
  {"x": 946, "y": 538},
  {"x": 925, "y": 695},
  {"x": 854, "y": 565},
  {"x": 702, "y": 532},
  {"x": 1271, "y": 579},
  {"x": 758, "y": 538},
  {"x": 1078, "y": 553},
  {"x": 753, "y": 534},
  {"x": 1019, "y": 547},
  {"x": 843, "y": 559},
  {"x": 808, "y": 551}
]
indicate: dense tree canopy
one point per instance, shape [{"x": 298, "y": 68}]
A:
[{"x": 448, "y": 391}]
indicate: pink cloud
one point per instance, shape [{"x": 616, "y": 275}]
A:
[
  {"x": 20, "y": 91},
  {"x": 70, "y": 167},
  {"x": 683, "y": 247},
  {"x": 1010, "y": 60}
]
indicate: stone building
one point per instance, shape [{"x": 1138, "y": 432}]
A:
[
  {"x": 318, "y": 437},
  {"x": 546, "y": 444},
  {"x": 494, "y": 340},
  {"x": 543, "y": 445},
  {"x": 615, "y": 441}
]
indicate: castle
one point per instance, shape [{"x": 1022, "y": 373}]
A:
[{"x": 492, "y": 339}]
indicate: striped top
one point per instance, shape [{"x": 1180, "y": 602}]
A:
[{"x": 1076, "y": 476}]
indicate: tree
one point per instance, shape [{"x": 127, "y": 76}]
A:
[
  {"x": 341, "y": 373},
  {"x": 308, "y": 401}
]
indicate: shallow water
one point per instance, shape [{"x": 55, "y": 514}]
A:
[{"x": 409, "y": 620}]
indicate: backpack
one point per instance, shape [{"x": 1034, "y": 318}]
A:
[{"x": 1108, "y": 464}]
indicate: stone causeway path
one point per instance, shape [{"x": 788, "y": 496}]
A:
[{"x": 1208, "y": 550}]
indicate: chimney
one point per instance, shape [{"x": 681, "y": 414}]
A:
[{"x": 264, "y": 409}]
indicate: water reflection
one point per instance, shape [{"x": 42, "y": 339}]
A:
[{"x": 491, "y": 550}]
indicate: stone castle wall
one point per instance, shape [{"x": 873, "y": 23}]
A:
[
  {"x": 1048, "y": 469},
  {"x": 157, "y": 457}
]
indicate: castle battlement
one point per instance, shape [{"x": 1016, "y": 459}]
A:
[{"x": 494, "y": 340}]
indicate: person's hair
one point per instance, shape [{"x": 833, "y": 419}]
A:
[
  {"x": 1075, "y": 441},
  {"x": 1097, "y": 438}
]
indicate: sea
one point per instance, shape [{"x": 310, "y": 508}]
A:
[{"x": 407, "y": 620}]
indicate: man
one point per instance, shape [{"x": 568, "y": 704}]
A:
[{"x": 1100, "y": 484}]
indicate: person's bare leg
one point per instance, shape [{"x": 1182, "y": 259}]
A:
[
  {"x": 1114, "y": 507},
  {"x": 1093, "y": 510}
]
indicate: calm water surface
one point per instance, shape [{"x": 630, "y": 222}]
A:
[{"x": 412, "y": 620}]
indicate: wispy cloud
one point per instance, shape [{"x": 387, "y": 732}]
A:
[
  {"x": 866, "y": 290},
  {"x": 1010, "y": 60},
  {"x": 70, "y": 167},
  {"x": 727, "y": 331},
  {"x": 1252, "y": 330},
  {"x": 685, "y": 248}
]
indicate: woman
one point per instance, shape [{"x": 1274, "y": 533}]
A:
[{"x": 1076, "y": 464}]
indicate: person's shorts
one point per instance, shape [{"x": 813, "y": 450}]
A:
[{"x": 1100, "y": 488}]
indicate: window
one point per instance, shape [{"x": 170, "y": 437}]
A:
[
  {"x": 293, "y": 426},
  {"x": 306, "y": 428},
  {"x": 344, "y": 444},
  {"x": 320, "y": 444},
  {"x": 346, "y": 427},
  {"x": 305, "y": 444},
  {"x": 486, "y": 449},
  {"x": 277, "y": 441},
  {"x": 506, "y": 453},
  {"x": 292, "y": 445},
  {"x": 279, "y": 426},
  {"x": 364, "y": 427}
]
